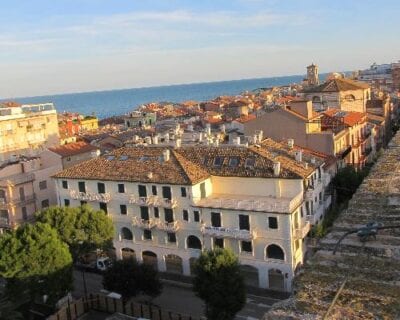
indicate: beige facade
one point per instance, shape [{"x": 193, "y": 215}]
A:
[
  {"x": 27, "y": 129},
  {"x": 263, "y": 220}
]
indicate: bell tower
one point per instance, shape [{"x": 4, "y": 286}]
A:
[{"x": 312, "y": 75}]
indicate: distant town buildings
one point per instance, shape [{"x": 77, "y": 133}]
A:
[
  {"x": 312, "y": 75},
  {"x": 385, "y": 77},
  {"x": 26, "y": 129}
]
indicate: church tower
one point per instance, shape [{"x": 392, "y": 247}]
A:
[{"x": 312, "y": 75}]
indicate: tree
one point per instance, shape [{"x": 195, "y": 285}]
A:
[
  {"x": 346, "y": 182},
  {"x": 219, "y": 282},
  {"x": 129, "y": 278},
  {"x": 82, "y": 228},
  {"x": 33, "y": 259}
]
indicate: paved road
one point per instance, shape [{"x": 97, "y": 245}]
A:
[{"x": 177, "y": 298}]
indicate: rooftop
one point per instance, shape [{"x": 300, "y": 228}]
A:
[
  {"x": 72, "y": 149},
  {"x": 336, "y": 85}
]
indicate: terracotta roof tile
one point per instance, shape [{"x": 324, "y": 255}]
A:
[
  {"x": 72, "y": 149},
  {"x": 336, "y": 85},
  {"x": 350, "y": 118}
]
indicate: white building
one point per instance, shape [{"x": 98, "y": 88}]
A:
[{"x": 170, "y": 203}]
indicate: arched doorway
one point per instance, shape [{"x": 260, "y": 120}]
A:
[
  {"x": 126, "y": 234},
  {"x": 150, "y": 258},
  {"x": 193, "y": 242},
  {"x": 250, "y": 274},
  {"x": 128, "y": 253},
  {"x": 275, "y": 252},
  {"x": 173, "y": 263},
  {"x": 192, "y": 262},
  {"x": 276, "y": 280}
]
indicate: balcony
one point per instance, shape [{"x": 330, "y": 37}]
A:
[
  {"x": 309, "y": 194},
  {"x": 5, "y": 223},
  {"x": 250, "y": 203},
  {"x": 301, "y": 232},
  {"x": 21, "y": 202},
  {"x": 229, "y": 233},
  {"x": 166, "y": 203},
  {"x": 90, "y": 196},
  {"x": 141, "y": 201},
  {"x": 343, "y": 153},
  {"x": 168, "y": 226},
  {"x": 144, "y": 224},
  {"x": 310, "y": 219}
]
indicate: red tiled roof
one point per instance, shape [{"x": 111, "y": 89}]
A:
[
  {"x": 244, "y": 119},
  {"x": 72, "y": 149},
  {"x": 350, "y": 118}
]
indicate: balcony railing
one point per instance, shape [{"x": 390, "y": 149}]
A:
[
  {"x": 90, "y": 196},
  {"x": 144, "y": 224},
  {"x": 166, "y": 203},
  {"x": 308, "y": 195},
  {"x": 153, "y": 201},
  {"x": 301, "y": 232},
  {"x": 5, "y": 223},
  {"x": 6, "y": 203},
  {"x": 141, "y": 201},
  {"x": 168, "y": 226},
  {"x": 229, "y": 233}
]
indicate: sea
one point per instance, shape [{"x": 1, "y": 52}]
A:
[{"x": 110, "y": 103}]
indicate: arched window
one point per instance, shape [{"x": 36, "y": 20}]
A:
[
  {"x": 275, "y": 252},
  {"x": 193, "y": 242},
  {"x": 126, "y": 234},
  {"x": 350, "y": 98}
]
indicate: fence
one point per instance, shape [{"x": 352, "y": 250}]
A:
[{"x": 106, "y": 304}]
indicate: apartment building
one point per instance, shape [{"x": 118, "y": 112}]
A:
[
  {"x": 169, "y": 203},
  {"x": 27, "y": 129},
  {"x": 343, "y": 134},
  {"x": 339, "y": 93},
  {"x": 73, "y": 153}
]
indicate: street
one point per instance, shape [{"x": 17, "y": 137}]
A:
[{"x": 177, "y": 298}]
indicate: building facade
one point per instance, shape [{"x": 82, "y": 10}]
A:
[
  {"x": 27, "y": 129},
  {"x": 169, "y": 204}
]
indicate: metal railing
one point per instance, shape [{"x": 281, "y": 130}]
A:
[
  {"x": 229, "y": 233},
  {"x": 90, "y": 196}
]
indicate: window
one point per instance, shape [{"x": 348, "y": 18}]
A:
[
  {"x": 216, "y": 219},
  {"x": 244, "y": 223},
  {"x": 320, "y": 196},
  {"x": 169, "y": 215},
  {"x": 154, "y": 190},
  {"x": 301, "y": 212},
  {"x": 196, "y": 216},
  {"x": 166, "y": 193},
  {"x": 156, "y": 213},
  {"x": 64, "y": 184},
  {"x": 101, "y": 187},
  {"x": 249, "y": 163},
  {"x": 81, "y": 186},
  {"x": 218, "y": 161},
  {"x": 234, "y": 161},
  {"x": 43, "y": 185},
  {"x": 185, "y": 215},
  {"x": 275, "y": 252},
  {"x": 218, "y": 242},
  {"x": 183, "y": 192},
  {"x": 202, "y": 190},
  {"x": 142, "y": 191},
  {"x": 24, "y": 213},
  {"x": 144, "y": 213},
  {"x": 123, "y": 209},
  {"x": 121, "y": 188},
  {"x": 66, "y": 202},
  {"x": 171, "y": 237},
  {"x": 273, "y": 222},
  {"x": 147, "y": 234},
  {"x": 83, "y": 203},
  {"x": 246, "y": 246},
  {"x": 45, "y": 203},
  {"x": 103, "y": 206}
]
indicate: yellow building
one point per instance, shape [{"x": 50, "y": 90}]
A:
[
  {"x": 89, "y": 123},
  {"x": 27, "y": 129}
]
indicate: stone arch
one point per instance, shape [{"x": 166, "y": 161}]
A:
[
  {"x": 276, "y": 279},
  {"x": 128, "y": 253},
  {"x": 126, "y": 234},
  {"x": 150, "y": 258},
  {"x": 250, "y": 275},
  {"x": 193, "y": 242},
  {"x": 173, "y": 263},
  {"x": 274, "y": 251}
]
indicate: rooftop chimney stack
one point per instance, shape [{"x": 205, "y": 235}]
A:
[
  {"x": 208, "y": 129},
  {"x": 299, "y": 155},
  {"x": 290, "y": 143},
  {"x": 166, "y": 155},
  {"x": 200, "y": 136},
  {"x": 178, "y": 143},
  {"x": 155, "y": 140},
  {"x": 277, "y": 168}
]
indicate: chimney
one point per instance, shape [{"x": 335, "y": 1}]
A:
[
  {"x": 166, "y": 155},
  {"x": 290, "y": 143},
  {"x": 277, "y": 168},
  {"x": 208, "y": 129},
  {"x": 155, "y": 140},
  {"x": 178, "y": 143},
  {"x": 260, "y": 136},
  {"x": 236, "y": 141},
  {"x": 147, "y": 140},
  {"x": 150, "y": 175},
  {"x": 200, "y": 136},
  {"x": 299, "y": 155},
  {"x": 222, "y": 128}
]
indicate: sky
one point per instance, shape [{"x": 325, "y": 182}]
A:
[{"x": 62, "y": 46}]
